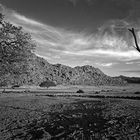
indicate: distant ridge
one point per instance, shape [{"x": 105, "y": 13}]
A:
[
  {"x": 131, "y": 80},
  {"x": 40, "y": 70}
]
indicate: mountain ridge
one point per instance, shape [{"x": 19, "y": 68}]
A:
[
  {"x": 131, "y": 80},
  {"x": 40, "y": 70}
]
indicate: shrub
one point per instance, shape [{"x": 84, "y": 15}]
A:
[
  {"x": 103, "y": 90},
  {"x": 47, "y": 84},
  {"x": 26, "y": 91},
  {"x": 97, "y": 92},
  {"x": 137, "y": 92},
  {"x": 79, "y": 91},
  {"x": 15, "y": 86}
]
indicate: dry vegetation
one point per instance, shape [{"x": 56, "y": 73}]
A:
[{"x": 26, "y": 116}]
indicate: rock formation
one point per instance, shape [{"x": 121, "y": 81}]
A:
[{"x": 40, "y": 70}]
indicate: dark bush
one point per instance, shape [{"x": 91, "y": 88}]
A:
[
  {"x": 103, "y": 90},
  {"x": 26, "y": 91},
  {"x": 79, "y": 91},
  {"x": 137, "y": 92},
  {"x": 15, "y": 86},
  {"x": 97, "y": 92},
  {"x": 47, "y": 84}
]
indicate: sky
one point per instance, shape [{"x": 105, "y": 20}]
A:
[{"x": 81, "y": 32}]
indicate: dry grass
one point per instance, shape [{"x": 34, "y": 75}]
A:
[{"x": 23, "y": 115}]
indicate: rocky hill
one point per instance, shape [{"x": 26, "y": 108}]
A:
[
  {"x": 131, "y": 80},
  {"x": 39, "y": 70}
]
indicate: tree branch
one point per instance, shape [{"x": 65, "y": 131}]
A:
[{"x": 135, "y": 38}]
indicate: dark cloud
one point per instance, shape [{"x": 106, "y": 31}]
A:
[
  {"x": 74, "y": 2},
  {"x": 88, "y": 2}
]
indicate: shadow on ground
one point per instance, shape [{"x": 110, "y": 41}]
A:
[{"x": 84, "y": 120}]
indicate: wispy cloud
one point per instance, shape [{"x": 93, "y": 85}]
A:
[
  {"x": 105, "y": 64},
  {"x": 75, "y": 2},
  {"x": 132, "y": 71},
  {"x": 110, "y": 42},
  {"x": 130, "y": 62},
  {"x": 26, "y": 20},
  {"x": 107, "y": 53}
]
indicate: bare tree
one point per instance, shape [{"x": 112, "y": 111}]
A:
[{"x": 135, "y": 38}]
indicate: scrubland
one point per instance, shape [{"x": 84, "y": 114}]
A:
[{"x": 59, "y": 113}]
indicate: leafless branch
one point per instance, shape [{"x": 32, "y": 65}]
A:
[{"x": 135, "y": 38}]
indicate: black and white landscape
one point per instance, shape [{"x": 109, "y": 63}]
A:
[{"x": 69, "y": 70}]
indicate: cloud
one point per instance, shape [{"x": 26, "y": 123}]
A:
[
  {"x": 63, "y": 42},
  {"x": 75, "y": 2},
  {"x": 130, "y": 62},
  {"x": 132, "y": 71},
  {"x": 106, "y": 53},
  {"x": 26, "y": 20},
  {"x": 45, "y": 57},
  {"x": 110, "y": 42},
  {"x": 105, "y": 64}
]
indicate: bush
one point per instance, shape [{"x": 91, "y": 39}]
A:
[
  {"x": 26, "y": 91},
  {"x": 79, "y": 91},
  {"x": 97, "y": 92},
  {"x": 137, "y": 92},
  {"x": 15, "y": 86},
  {"x": 47, "y": 84}
]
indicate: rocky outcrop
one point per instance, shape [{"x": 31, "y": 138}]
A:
[{"x": 39, "y": 70}]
